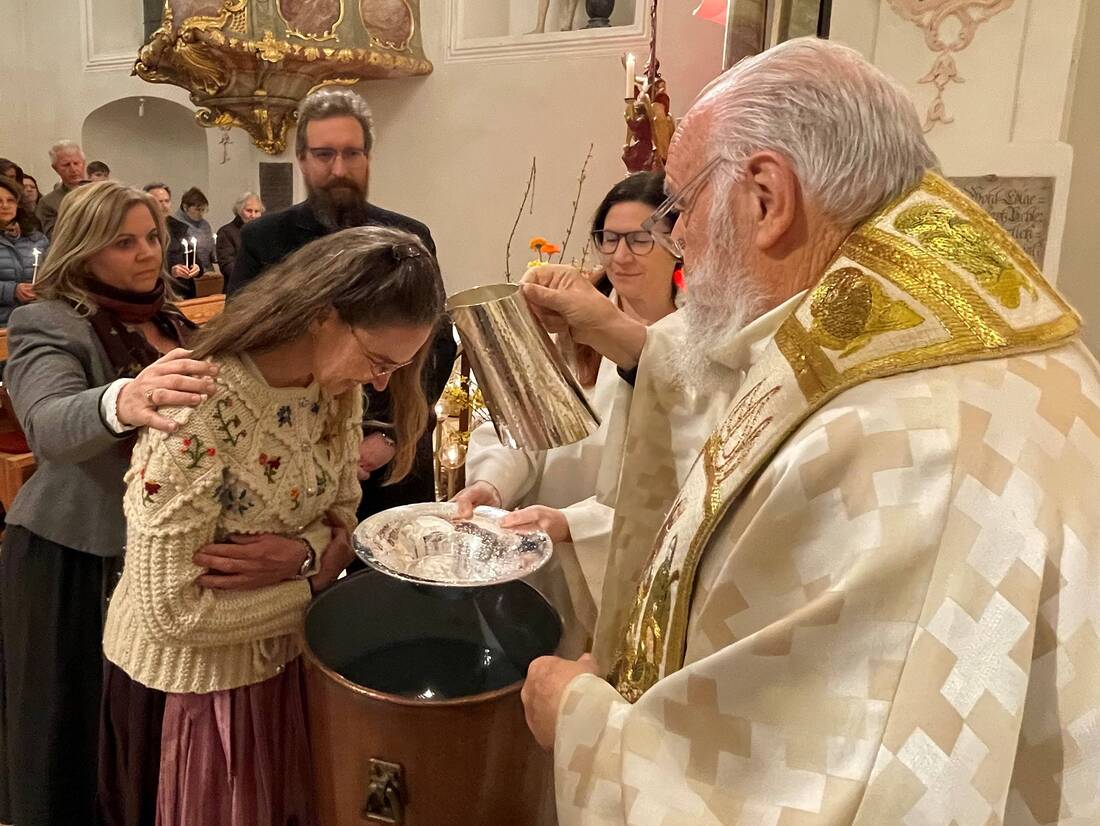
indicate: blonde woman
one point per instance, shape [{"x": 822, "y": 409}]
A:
[
  {"x": 274, "y": 450},
  {"x": 89, "y": 362}
]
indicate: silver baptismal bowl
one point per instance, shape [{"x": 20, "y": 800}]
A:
[{"x": 426, "y": 543}]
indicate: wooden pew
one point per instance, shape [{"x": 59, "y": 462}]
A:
[
  {"x": 16, "y": 468},
  {"x": 201, "y": 310}
]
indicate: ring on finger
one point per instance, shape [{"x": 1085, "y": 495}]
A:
[{"x": 149, "y": 396}]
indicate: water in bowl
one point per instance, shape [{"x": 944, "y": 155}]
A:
[{"x": 433, "y": 669}]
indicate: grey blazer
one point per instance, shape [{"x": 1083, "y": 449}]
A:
[{"x": 56, "y": 373}]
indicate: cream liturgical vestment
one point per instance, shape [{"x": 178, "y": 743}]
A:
[
  {"x": 663, "y": 424},
  {"x": 874, "y": 599}
]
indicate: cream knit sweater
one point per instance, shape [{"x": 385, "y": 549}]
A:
[{"x": 253, "y": 459}]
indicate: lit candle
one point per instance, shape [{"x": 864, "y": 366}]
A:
[
  {"x": 186, "y": 253},
  {"x": 194, "y": 251},
  {"x": 34, "y": 273},
  {"x": 629, "y": 76},
  {"x": 452, "y": 456}
]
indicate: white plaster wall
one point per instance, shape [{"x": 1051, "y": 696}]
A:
[
  {"x": 158, "y": 141},
  {"x": 1081, "y": 248},
  {"x": 111, "y": 28},
  {"x": 1010, "y": 112},
  {"x": 66, "y": 72},
  {"x": 453, "y": 149}
]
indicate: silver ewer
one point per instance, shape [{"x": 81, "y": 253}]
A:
[{"x": 534, "y": 399}]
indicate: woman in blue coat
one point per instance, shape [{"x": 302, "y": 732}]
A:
[{"x": 18, "y": 242}]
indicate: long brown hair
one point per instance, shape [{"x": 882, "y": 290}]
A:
[
  {"x": 88, "y": 222},
  {"x": 371, "y": 277}
]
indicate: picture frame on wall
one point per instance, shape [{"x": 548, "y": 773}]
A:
[
  {"x": 755, "y": 25},
  {"x": 492, "y": 30}
]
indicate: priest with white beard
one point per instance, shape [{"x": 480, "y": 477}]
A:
[{"x": 855, "y": 571}]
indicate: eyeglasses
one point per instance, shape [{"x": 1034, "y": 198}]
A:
[
  {"x": 378, "y": 367},
  {"x": 607, "y": 241},
  {"x": 327, "y": 155},
  {"x": 680, "y": 202}
]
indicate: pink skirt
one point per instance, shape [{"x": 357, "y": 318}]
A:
[{"x": 237, "y": 757}]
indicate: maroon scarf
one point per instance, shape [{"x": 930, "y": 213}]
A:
[{"x": 118, "y": 310}]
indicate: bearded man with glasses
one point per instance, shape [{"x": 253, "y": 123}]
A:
[
  {"x": 335, "y": 135},
  {"x": 855, "y": 564}
]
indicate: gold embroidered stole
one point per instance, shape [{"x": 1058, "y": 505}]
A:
[{"x": 930, "y": 280}]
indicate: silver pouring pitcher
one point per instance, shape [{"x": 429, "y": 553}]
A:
[{"x": 533, "y": 397}]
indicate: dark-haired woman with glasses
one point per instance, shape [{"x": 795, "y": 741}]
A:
[{"x": 560, "y": 490}]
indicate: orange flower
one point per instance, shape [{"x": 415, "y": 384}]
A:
[
  {"x": 537, "y": 243},
  {"x": 550, "y": 249}
]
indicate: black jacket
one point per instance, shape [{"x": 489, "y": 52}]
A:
[
  {"x": 225, "y": 248},
  {"x": 270, "y": 239}
]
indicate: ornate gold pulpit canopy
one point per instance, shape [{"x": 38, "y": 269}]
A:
[{"x": 248, "y": 63}]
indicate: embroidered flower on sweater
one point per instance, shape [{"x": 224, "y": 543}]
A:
[
  {"x": 295, "y": 498},
  {"x": 270, "y": 465},
  {"x": 229, "y": 426},
  {"x": 283, "y": 415},
  {"x": 233, "y": 498},
  {"x": 323, "y": 479},
  {"x": 149, "y": 490},
  {"x": 195, "y": 450}
]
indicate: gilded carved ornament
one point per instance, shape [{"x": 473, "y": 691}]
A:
[{"x": 248, "y": 63}]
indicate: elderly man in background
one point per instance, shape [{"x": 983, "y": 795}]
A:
[
  {"x": 162, "y": 195},
  {"x": 874, "y": 598},
  {"x": 247, "y": 208},
  {"x": 67, "y": 160}
]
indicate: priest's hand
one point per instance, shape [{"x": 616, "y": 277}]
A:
[
  {"x": 550, "y": 521},
  {"x": 477, "y": 494},
  {"x": 565, "y": 301},
  {"x": 547, "y": 679}
]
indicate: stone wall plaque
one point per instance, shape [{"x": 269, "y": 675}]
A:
[
  {"x": 1021, "y": 205},
  {"x": 276, "y": 185}
]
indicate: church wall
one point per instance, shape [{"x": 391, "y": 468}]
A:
[
  {"x": 1010, "y": 104},
  {"x": 453, "y": 149},
  {"x": 1081, "y": 249},
  {"x": 149, "y": 139}
]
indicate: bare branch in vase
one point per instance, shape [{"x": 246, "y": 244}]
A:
[
  {"x": 577, "y": 202},
  {"x": 523, "y": 203}
]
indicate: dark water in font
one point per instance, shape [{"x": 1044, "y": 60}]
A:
[{"x": 433, "y": 669}]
